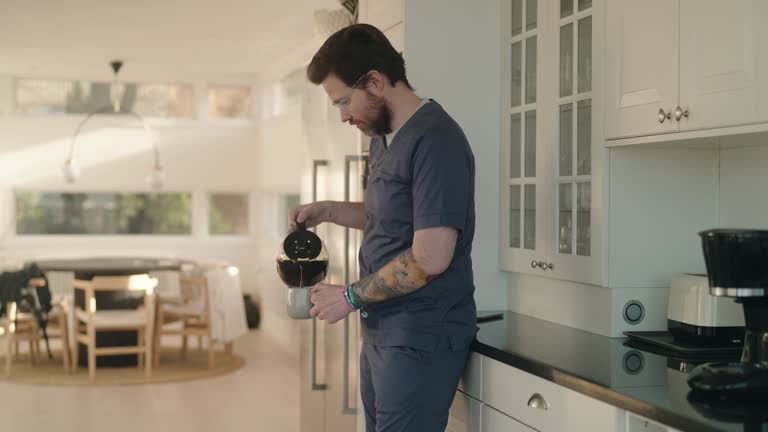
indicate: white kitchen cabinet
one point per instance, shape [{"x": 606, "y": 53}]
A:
[
  {"x": 723, "y": 63},
  {"x": 684, "y": 65},
  {"x": 552, "y": 155},
  {"x": 464, "y": 414},
  {"x": 641, "y": 63},
  {"x": 544, "y": 405},
  {"x": 471, "y": 382},
  {"x": 494, "y": 421}
]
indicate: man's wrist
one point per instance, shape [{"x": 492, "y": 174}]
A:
[
  {"x": 330, "y": 211},
  {"x": 352, "y": 298}
]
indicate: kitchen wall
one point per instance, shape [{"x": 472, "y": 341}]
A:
[
  {"x": 463, "y": 73},
  {"x": 743, "y": 193}
]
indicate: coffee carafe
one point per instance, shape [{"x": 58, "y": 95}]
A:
[{"x": 301, "y": 263}]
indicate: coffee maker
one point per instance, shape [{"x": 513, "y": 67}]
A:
[
  {"x": 737, "y": 267},
  {"x": 302, "y": 262}
]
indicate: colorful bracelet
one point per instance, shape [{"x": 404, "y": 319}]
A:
[
  {"x": 351, "y": 297},
  {"x": 346, "y": 301}
]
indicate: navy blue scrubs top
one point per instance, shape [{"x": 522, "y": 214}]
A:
[{"x": 424, "y": 178}]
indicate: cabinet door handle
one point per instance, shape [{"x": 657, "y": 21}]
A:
[
  {"x": 664, "y": 115},
  {"x": 537, "y": 401},
  {"x": 679, "y": 113},
  {"x": 535, "y": 263},
  {"x": 544, "y": 266}
]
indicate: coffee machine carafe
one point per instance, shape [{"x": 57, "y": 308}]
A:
[
  {"x": 737, "y": 267},
  {"x": 301, "y": 263}
]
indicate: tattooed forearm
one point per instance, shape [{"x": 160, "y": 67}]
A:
[{"x": 400, "y": 276}]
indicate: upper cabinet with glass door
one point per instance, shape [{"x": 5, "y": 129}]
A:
[
  {"x": 573, "y": 253},
  {"x": 521, "y": 164},
  {"x": 685, "y": 65},
  {"x": 550, "y": 143}
]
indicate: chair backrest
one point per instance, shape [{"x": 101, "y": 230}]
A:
[
  {"x": 194, "y": 287},
  {"x": 139, "y": 282}
]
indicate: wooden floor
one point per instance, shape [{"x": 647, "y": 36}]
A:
[{"x": 261, "y": 396}]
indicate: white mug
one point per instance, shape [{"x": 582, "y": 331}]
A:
[{"x": 298, "y": 302}]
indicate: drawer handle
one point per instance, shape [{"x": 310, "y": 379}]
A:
[{"x": 537, "y": 401}]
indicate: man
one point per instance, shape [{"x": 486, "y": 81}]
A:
[{"x": 415, "y": 292}]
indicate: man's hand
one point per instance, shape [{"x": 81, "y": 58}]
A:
[
  {"x": 312, "y": 214},
  {"x": 329, "y": 303}
]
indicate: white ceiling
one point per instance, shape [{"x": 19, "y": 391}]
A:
[{"x": 157, "y": 39}]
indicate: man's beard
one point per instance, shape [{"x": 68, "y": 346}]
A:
[{"x": 379, "y": 122}]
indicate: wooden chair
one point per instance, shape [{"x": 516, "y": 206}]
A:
[
  {"x": 19, "y": 327},
  {"x": 192, "y": 312},
  {"x": 8, "y": 330},
  {"x": 89, "y": 319},
  {"x": 58, "y": 326}
]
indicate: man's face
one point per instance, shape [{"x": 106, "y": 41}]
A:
[{"x": 359, "y": 106}]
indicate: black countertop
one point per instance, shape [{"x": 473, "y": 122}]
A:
[{"x": 651, "y": 385}]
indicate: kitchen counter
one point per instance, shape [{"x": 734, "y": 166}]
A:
[{"x": 651, "y": 385}]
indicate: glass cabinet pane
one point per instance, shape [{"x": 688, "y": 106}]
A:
[
  {"x": 530, "y": 14},
  {"x": 529, "y": 220},
  {"x": 517, "y": 73},
  {"x": 530, "y": 144},
  {"x": 515, "y": 216},
  {"x": 566, "y": 60},
  {"x": 584, "y": 137},
  {"x": 583, "y": 218},
  {"x": 584, "y": 4},
  {"x": 530, "y": 70},
  {"x": 566, "y": 140},
  {"x": 585, "y": 55},
  {"x": 565, "y": 219},
  {"x": 515, "y": 146},
  {"x": 517, "y": 17},
  {"x": 566, "y": 8}
]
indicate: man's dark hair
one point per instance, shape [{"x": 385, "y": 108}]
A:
[{"x": 353, "y": 51}]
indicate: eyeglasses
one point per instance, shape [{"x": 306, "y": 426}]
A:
[{"x": 343, "y": 103}]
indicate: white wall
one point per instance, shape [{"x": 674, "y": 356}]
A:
[
  {"x": 743, "y": 195},
  {"x": 462, "y": 71}
]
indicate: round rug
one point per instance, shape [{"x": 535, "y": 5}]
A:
[{"x": 172, "y": 368}]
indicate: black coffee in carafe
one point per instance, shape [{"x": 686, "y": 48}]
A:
[
  {"x": 303, "y": 260},
  {"x": 302, "y": 273}
]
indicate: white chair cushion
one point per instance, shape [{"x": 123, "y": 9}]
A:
[{"x": 115, "y": 318}]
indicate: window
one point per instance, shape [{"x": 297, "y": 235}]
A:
[
  {"x": 35, "y": 96},
  {"x": 103, "y": 213},
  {"x": 228, "y": 214},
  {"x": 229, "y": 102}
]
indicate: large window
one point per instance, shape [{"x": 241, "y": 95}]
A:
[
  {"x": 228, "y": 214},
  {"x": 94, "y": 213},
  {"x": 36, "y": 96},
  {"x": 229, "y": 102}
]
